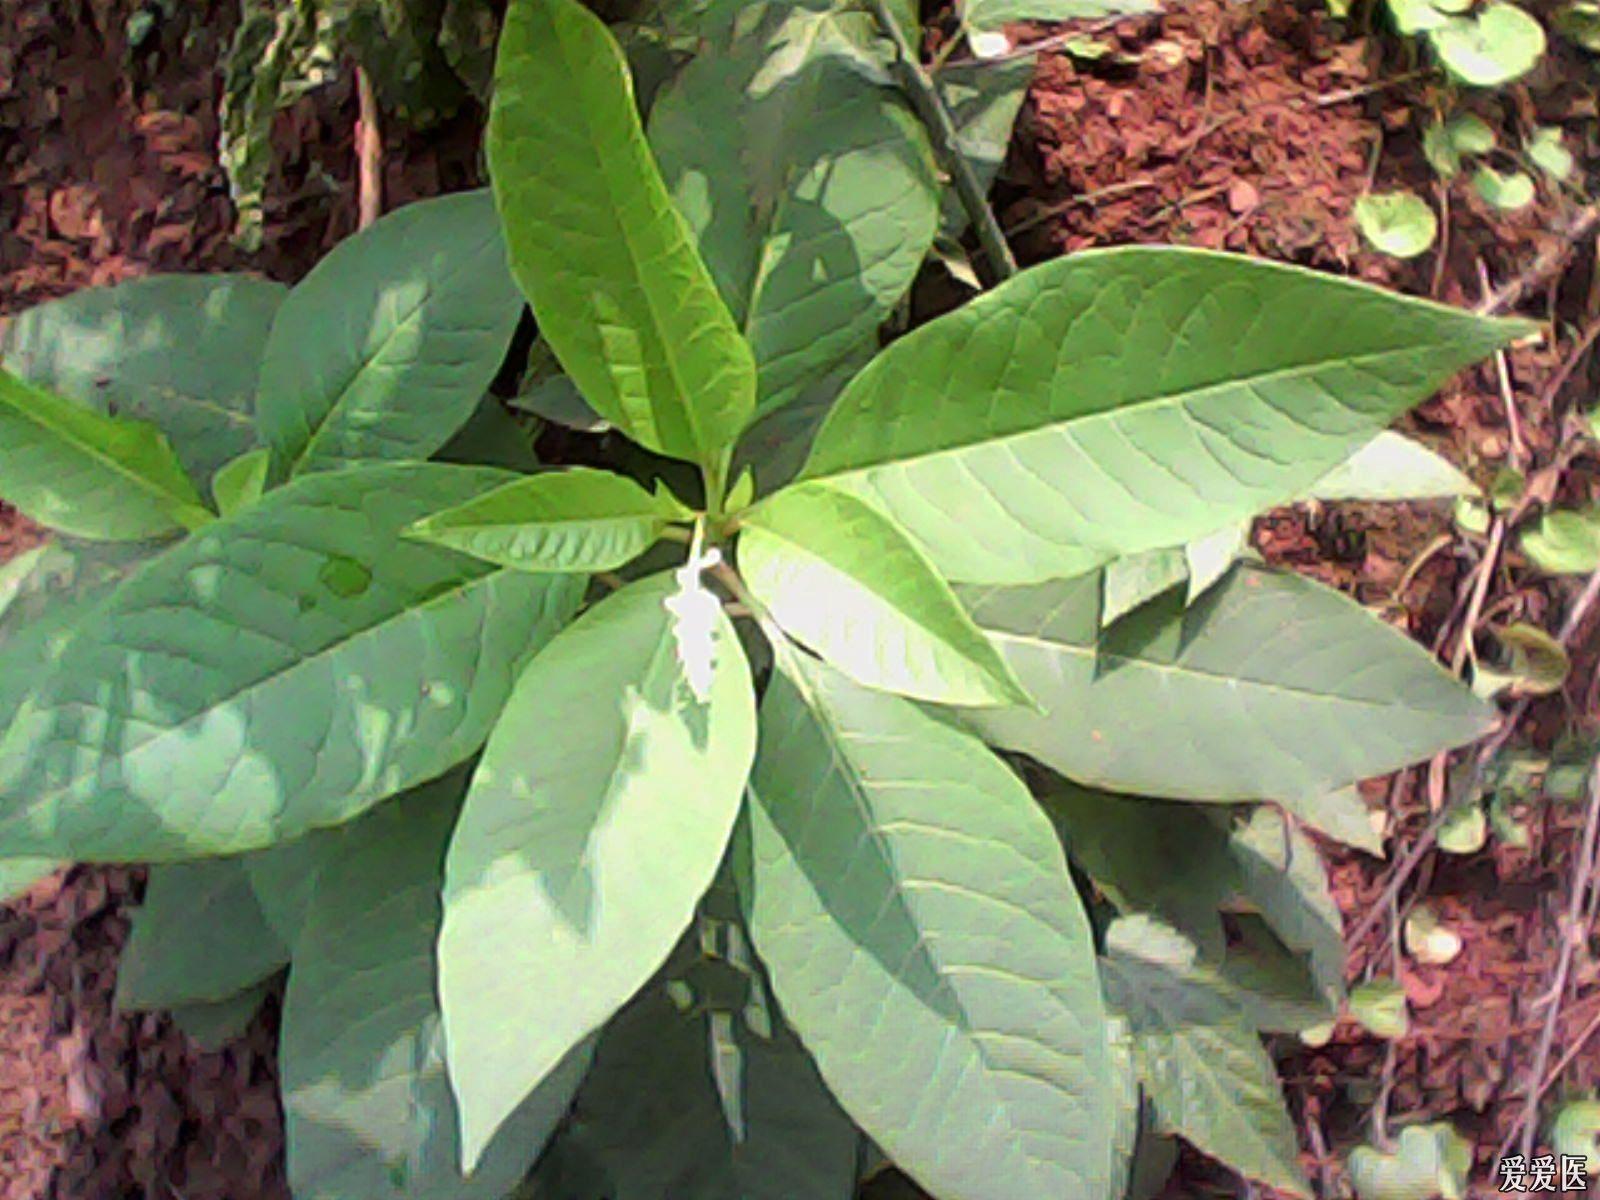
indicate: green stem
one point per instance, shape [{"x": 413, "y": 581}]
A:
[{"x": 931, "y": 110}]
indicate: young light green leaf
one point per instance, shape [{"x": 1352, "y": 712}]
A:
[
  {"x": 1123, "y": 400},
  {"x": 1393, "y": 467},
  {"x": 1504, "y": 190},
  {"x": 1565, "y": 541},
  {"x": 594, "y": 824},
  {"x": 1201, "y": 1060},
  {"x": 1397, "y": 223},
  {"x": 1428, "y": 939},
  {"x": 367, "y": 1105},
  {"x": 1417, "y": 16},
  {"x": 648, "y": 1121},
  {"x": 1498, "y": 43},
  {"x": 18, "y": 875},
  {"x": 1470, "y": 134},
  {"x": 242, "y": 481},
  {"x": 1430, "y": 1160},
  {"x": 1465, "y": 829},
  {"x": 1549, "y": 152},
  {"x": 579, "y": 519},
  {"x": 1579, "y": 23},
  {"x": 385, "y": 348},
  {"x": 1226, "y": 689},
  {"x": 924, "y": 938},
  {"x": 810, "y": 185},
  {"x": 301, "y": 660},
  {"x": 70, "y": 468},
  {"x": 597, "y": 246},
  {"x": 180, "y": 351},
  {"x": 840, "y": 577},
  {"x": 171, "y": 958},
  {"x": 1576, "y": 1131},
  {"x": 1379, "y": 1005},
  {"x": 992, "y": 14}
]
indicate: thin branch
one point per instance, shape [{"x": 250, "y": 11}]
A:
[
  {"x": 1583, "y": 865},
  {"x": 369, "y": 154},
  {"x": 930, "y": 108},
  {"x": 1544, "y": 265}
]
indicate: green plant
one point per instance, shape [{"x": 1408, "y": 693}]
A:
[{"x": 662, "y": 829}]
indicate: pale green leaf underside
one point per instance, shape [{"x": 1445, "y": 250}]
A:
[
  {"x": 1124, "y": 400},
  {"x": 1213, "y": 702},
  {"x": 242, "y": 481},
  {"x": 838, "y": 576},
  {"x": 913, "y": 908},
  {"x": 180, "y": 351},
  {"x": 199, "y": 937},
  {"x": 72, "y": 469},
  {"x": 386, "y": 347},
  {"x": 606, "y": 260},
  {"x": 574, "y": 520},
  {"x": 367, "y": 1104},
  {"x": 1206, "y": 1071},
  {"x": 810, "y": 186},
  {"x": 648, "y": 1121},
  {"x": 1393, "y": 467},
  {"x": 282, "y": 670},
  {"x": 595, "y": 822}
]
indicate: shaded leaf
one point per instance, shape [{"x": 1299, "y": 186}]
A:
[
  {"x": 1565, "y": 541},
  {"x": 1226, "y": 688},
  {"x": 1430, "y": 1161},
  {"x": 809, "y": 184},
  {"x": 301, "y": 660},
  {"x": 597, "y": 246},
  {"x": 1379, "y": 1005},
  {"x": 211, "y": 1025},
  {"x": 581, "y": 853},
  {"x": 649, "y": 1121},
  {"x": 172, "y": 959},
  {"x": 385, "y": 348},
  {"x": 180, "y": 351},
  {"x": 924, "y": 938},
  {"x": 367, "y": 1105}
]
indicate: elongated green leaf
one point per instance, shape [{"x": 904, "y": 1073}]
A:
[
  {"x": 649, "y": 1122},
  {"x": 385, "y": 348},
  {"x": 1202, "y": 1062},
  {"x": 1393, "y": 467},
  {"x": 1124, "y": 400},
  {"x": 367, "y": 1103},
  {"x": 242, "y": 481},
  {"x": 925, "y": 939},
  {"x": 595, "y": 822},
  {"x": 809, "y": 184},
  {"x": 1226, "y": 689},
  {"x": 284, "y": 670},
  {"x": 597, "y": 246},
  {"x": 984, "y": 98},
  {"x": 992, "y": 14},
  {"x": 180, "y": 351},
  {"x": 17, "y": 875},
  {"x": 574, "y": 520},
  {"x": 72, "y": 469},
  {"x": 199, "y": 937},
  {"x": 840, "y": 577}
]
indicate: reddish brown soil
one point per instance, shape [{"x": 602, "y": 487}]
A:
[{"x": 1248, "y": 127}]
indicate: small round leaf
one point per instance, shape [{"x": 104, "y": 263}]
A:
[
  {"x": 1514, "y": 190},
  {"x": 1499, "y": 44},
  {"x": 1397, "y": 223}
]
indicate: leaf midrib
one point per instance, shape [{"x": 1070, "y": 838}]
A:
[
  {"x": 1077, "y": 650},
  {"x": 1068, "y": 426},
  {"x": 351, "y": 638},
  {"x": 144, "y": 483}
]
